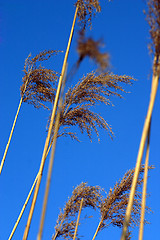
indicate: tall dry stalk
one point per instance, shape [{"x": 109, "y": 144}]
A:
[
  {"x": 10, "y": 136},
  {"x": 56, "y": 128},
  {"x": 23, "y": 208},
  {"x": 144, "y": 192},
  {"x": 26, "y": 202},
  {"x": 78, "y": 218},
  {"x": 83, "y": 9},
  {"x": 14, "y": 123},
  {"x": 49, "y": 132},
  {"x": 154, "y": 22},
  {"x": 36, "y": 88},
  {"x": 155, "y": 80}
]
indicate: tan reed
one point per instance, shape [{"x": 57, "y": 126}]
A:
[
  {"x": 54, "y": 140},
  {"x": 144, "y": 192},
  {"x": 49, "y": 131},
  {"x": 23, "y": 208},
  {"x": 78, "y": 218}
]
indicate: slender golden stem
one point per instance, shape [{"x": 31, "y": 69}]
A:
[
  {"x": 96, "y": 232},
  {"x": 49, "y": 131},
  {"x": 56, "y": 128},
  {"x": 77, "y": 223},
  {"x": 23, "y": 208},
  {"x": 143, "y": 204},
  {"x": 10, "y": 136},
  {"x": 55, "y": 235},
  {"x": 25, "y": 204},
  {"x": 155, "y": 80},
  {"x": 14, "y": 123}
]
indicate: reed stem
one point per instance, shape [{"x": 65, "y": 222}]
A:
[
  {"x": 14, "y": 123},
  {"x": 155, "y": 80},
  {"x": 10, "y": 136},
  {"x": 77, "y": 223},
  {"x": 49, "y": 131},
  {"x": 56, "y": 128},
  {"x": 23, "y": 208},
  {"x": 143, "y": 204},
  {"x": 97, "y": 229}
]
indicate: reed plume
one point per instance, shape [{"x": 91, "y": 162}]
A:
[
  {"x": 92, "y": 89},
  {"x": 86, "y": 11},
  {"x": 88, "y": 47},
  {"x": 111, "y": 206},
  {"x": 114, "y": 205},
  {"x": 36, "y": 88},
  {"x": 66, "y": 222},
  {"x": 153, "y": 18},
  {"x": 41, "y": 81}
]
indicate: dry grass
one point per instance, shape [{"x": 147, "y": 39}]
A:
[
  {"x": 91, "y": 90},
  {"x": 153, "y": 17},
  {"x": 41, "y": 81},
  {"x": 66, "y": 222},
  {"x": 111, "y": 206},
  {"x": 86, "y": 10},
  {"x": 114, "y": 205},
  {"x": 91, "y": 48}
]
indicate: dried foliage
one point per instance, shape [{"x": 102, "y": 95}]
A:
[
  {"x": 38, "y": 82},
  {"x": 67, "y": 219},
  {"x": 91, "y": 90},
  {"x": 153, "y": 18},
  {"x": 86, "y": 10},
  {"x": 89, "y": 47},
  {"x": 112, "y": 207}
]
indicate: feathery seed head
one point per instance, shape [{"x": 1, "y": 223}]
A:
[
  {"x": 89, "y": 47},
  {"x": 38, "y": 82},
  {"x": 86, "y": 10}
]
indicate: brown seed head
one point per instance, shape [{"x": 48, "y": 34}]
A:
[
  {"x": 38, "y": 82},
  {"x": 91, "y": 90},
  {"x": 153, "y": 18},
  {"x": 66, "y": 220},
  {"x": 114, "y": 205},
  {"x": 86, "y": 10},
  {"x": 89, "y": 47}
]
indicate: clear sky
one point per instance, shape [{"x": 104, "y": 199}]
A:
[{"x": 28, "y": 26}]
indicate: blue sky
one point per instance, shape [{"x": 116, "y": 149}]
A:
[{"x": 33, "y": 26}]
